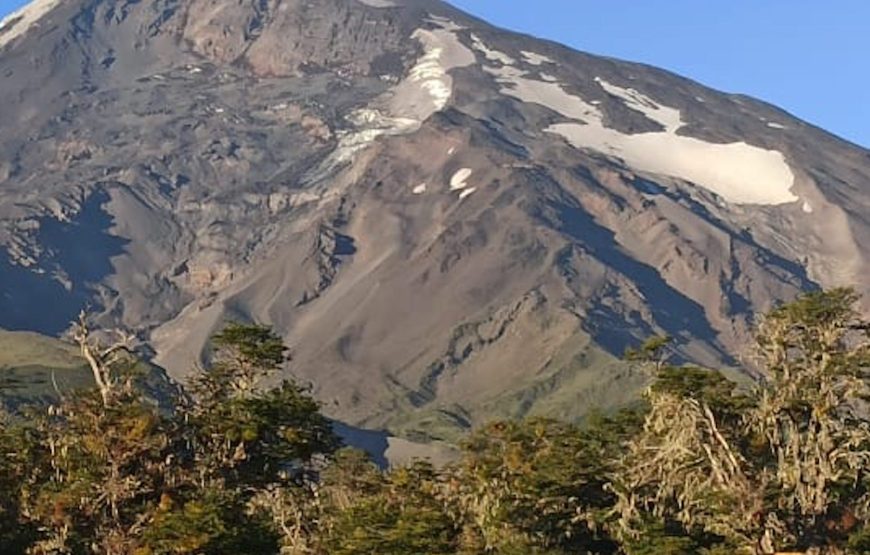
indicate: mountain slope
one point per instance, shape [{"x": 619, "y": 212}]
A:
[{"x": 445, "y": 220}]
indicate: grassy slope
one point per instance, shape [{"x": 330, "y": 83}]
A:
[
  {"x": 569, "y": 388},
  {"x": 32, "y": 366},
  {"x": 18, "y": 348},
  {"x": 35, "y": 368}
]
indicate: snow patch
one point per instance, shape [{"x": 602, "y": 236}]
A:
[
  {"x": 419, "y": 189},
  {"x": 426, "y": 90},
  {"x": 536, "y": 59},
  {"x": 669, "y": 118},
  {"x": 19, "y": 22},
  {"x": 807, "y": 207},
  {"x": 429, "y": 86},
  {"x": 379, "y": 3},
  {"x": 445, "y": 23},
  {"x": 490, "y": 54},
  {"x": 460, "y": 178},
  {"x": 738, "y": 172},
  {"x": 551, "y": 95},
  {"x": 370, "y": 124},
  {"x": 775, "y": 125},
  {"x": 549, "y": 78},
  {"x": 431, "y": 76},
  {"x": 467, "y": 192}
]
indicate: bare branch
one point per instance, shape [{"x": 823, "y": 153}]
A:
[{"x": 101, "y": 359}]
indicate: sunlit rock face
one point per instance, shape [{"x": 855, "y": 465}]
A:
[
  {"x": 21, "y": 21},
  {"x": 448, "y": 222}
]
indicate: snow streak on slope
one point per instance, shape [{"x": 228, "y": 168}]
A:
[
  {"x": 738, "y": 172},
  {"x": 379, "y": 3},
  {"x": 669, "y": 118},
  {"x": 429, "y": 85},
  {"x": 489, "y": 53},
  {"x": 425, "y": 91},
  {"x": 536, "y": 59},
  {"x": 18, "y": 22}
]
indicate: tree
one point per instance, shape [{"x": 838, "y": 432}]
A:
[
  {"x": 782, "y": 467},
  {"x": 208, "y": 521},
  {"x": 702, "y": 466},
  {"x": 16, "y": 450},
  {"x": 254, "y": 453},
  {"x": 103, "y": 359},
  {"x": 812, "y": 414},
  {"x": 681, "y": 479},
  {"x": 653, "y": 350},
  {"x": 244, "y": 435},
  {"x": 401, "y": 512},
  {"x": 98, "y": 473},
  {"x": 107, "y": 471},
  {"x": 538, "y": 485}
]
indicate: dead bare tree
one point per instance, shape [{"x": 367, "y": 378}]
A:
[{"x": 102, "y": 357}]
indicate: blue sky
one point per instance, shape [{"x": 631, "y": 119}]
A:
[{"x": 810, "y": 57}]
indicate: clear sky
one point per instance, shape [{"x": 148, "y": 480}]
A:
[{"x": 810, "y": 57}]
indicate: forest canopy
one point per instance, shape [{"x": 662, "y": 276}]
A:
[{"x": 700, "y": 465}]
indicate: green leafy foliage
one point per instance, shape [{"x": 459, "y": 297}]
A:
[
  {"x": 707, "y": 386},
  {"x": 17, "y": 445},
  {"x": 215, "y": 522},
  {"x": 700, "y": 466},
  {"x": 397, "y": 513},
  {"x": 653, "y": 350},
  {"x": 541, "y": 482},
  {"x": 258, "y": 440},
  {"x": 107, "y": 471},
  {"x": 245, "y": 436},
  {"x": 242, "y": 355}
]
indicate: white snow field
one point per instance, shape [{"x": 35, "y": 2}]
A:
[
  {"x": 738, "y": 172},
  {"x": 466, "y": 193},
  {"x": 429, "y": 86}
]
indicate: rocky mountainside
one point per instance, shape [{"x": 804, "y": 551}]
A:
[{"x": 447, "y": 221}]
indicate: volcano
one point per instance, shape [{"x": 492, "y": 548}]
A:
[{"x": 448, "y": 222}]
